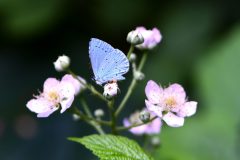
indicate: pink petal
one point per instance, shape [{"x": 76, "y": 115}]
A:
[
  {"x": 136, "y": 130},
  {"x": 140, "y": 29},
  {"x": 77, "y": 85},
  {"x": 66, "y": 92},
  {"x": 173, "y": 120},
  {"x": 177, "y": 92},
  {"x": 46, "y": 114},
  {"x": 39, "y": 105},
  {"x": 154, "y": 127},
  {"x": 49, "y": 84},
  {"x": 153, "y": 92},
  {"x": 188, "y": 109},
  {"x": 157, "y": 110},
  {"x": 157, "y": 35}
]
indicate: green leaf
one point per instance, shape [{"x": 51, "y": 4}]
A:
[{"x": 110, "y": 147}]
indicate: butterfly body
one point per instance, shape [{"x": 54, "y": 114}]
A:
[{"x": 107, "y": 62}]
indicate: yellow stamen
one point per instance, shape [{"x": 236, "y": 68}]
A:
[{"x": 171, "y": 102}]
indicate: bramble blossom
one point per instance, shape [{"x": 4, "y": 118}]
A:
[
  {"x": 153, "y": 127},
  {"x": 169, "y": 103},
  {"x": 55, "y": 94},
  {"x": 151, "y": 37}
]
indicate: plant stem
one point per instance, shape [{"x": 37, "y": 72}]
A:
[
  {"x": 122, "y": 128},
  {"x": 86, "y": 108},
  {"x": 112, "y": 116},
  {"x": 130, "y": 51},
  {"x": 131, "y": 87},
  {"x": 88, "y": 86},
  {"x": 88, "y": 119},
  {"x": 143, "y": 60}
]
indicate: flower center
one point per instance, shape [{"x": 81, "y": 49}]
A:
[
  {"x": 170, "y": 102},
  {"x": 52, "y": 96}
]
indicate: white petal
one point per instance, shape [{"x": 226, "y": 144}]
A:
[
  {"x": 77, "y": 85},
  {"x": 66, "y": 92},
  {"x": 173, "y": 120},
  {"x": 154, "y": 108},
  {"x": 153, "y": 92},
  {"x": 188, "y": 109},
  {"x": 49, "y": 84},
  {"x": 46, "y": 114},
  {"x": 39, "y": 105}
]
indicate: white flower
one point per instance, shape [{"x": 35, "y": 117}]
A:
[
  {"x": 62, "y": 63},
  {"x": 55, "y": 94}
]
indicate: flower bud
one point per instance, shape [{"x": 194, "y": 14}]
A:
[
  {"x": 135, "y": 38},
  {"x": 62, "y": 63},
  {"x": 144, "y": 116},
  {"x": 75, "y": 117},
  {"x": 98, "y": 113},
  {"x": 110, "y": 89},
  {"x": 155, "y": 141},
  {"x": 132, "y": 57},
  {"x": 138, "y": 75}
]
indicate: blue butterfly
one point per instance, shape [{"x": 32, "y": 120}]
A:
[{"x": 107, "y": 62}]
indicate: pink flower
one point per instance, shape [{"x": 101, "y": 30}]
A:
[
  {"x": 153, "y": 127},
  {"x": 76, "y": 84},
  {"x": 55, "y": 94},
  {"x": 151, "y": 38},
  {"x": 170, "y": 103}
]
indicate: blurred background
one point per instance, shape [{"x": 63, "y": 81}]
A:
[{"x": 200, "y": 50}]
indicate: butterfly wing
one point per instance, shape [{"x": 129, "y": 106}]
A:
[
  {"x": 113, "y": 66},
  {"x": 97, "y": 52}
]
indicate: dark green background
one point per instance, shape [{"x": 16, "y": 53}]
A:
[{"x": 200, "y": 50}]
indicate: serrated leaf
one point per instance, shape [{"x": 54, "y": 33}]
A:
[{"x": 110, "y": 147}]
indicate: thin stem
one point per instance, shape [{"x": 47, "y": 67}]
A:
[
  {"x": 88, "y": 86},
  {"x": 89, "y": 119},
  {"x": 112, "y": 116},
  {"x": 85, "y": 107},
  {"x": 131, "y": 87},
  {"x": 130, "y": 51},
  {"x": 126, "y": 97},
  {"x": 92, "y": 123},
  {"x": 122, "y": 128},
  {"x": 143, "y": 60}
]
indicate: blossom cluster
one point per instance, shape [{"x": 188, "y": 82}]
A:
[{"x": 168, "y": 104}]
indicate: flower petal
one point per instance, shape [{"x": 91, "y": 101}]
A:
[
  {"x": 157, "y": 110},
  {"x": 173, "y": 120},
  {"x": 154, "y": 127},
  {"x": 157, "y": 35},
  {"x": 136, "y": 130},
  {"x": 77, "y": 85},
  {"x": 49, "y": 84},
  {"x": 177, "y": 92},
  {"x": 46, "y": 114},
  {"x": 39, "y": 105},
  {"x": 153, "y": 92},
  {"x": 66, "y": 92},
  {"x": 188, "y": 109}
]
